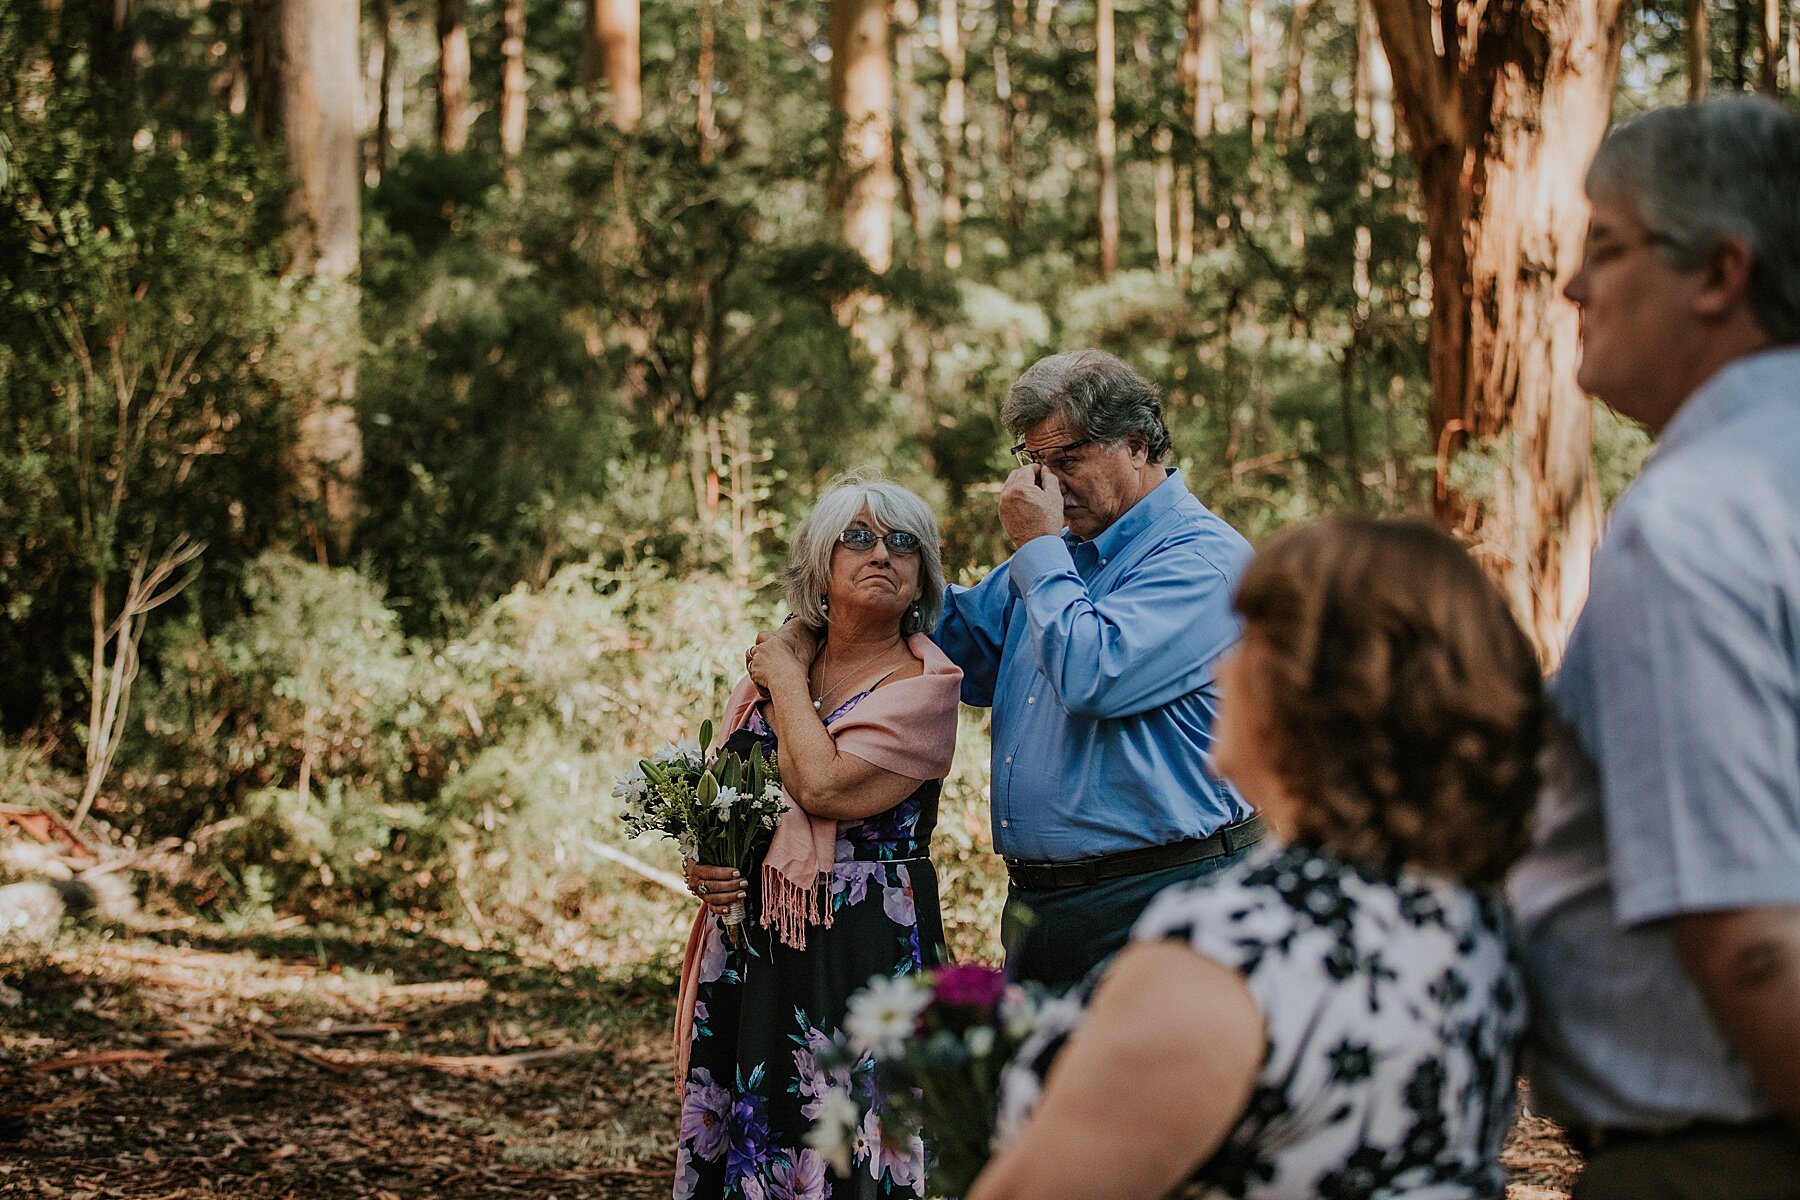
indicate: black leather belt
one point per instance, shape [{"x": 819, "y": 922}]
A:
[
  {"x": 1590, "y": 1140},
  {"x": 1084, "y": 872}
]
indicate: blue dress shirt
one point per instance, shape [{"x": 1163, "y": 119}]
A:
[{"x": 1098, "y": 660}]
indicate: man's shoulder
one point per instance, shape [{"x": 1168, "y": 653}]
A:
[{"x": 1191, "y": 528}]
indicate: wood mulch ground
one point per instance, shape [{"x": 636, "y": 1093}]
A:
[{"x": 389, "y": 1066}]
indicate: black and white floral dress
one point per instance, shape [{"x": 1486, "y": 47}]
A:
[{"x": 1393, "y": 1006}]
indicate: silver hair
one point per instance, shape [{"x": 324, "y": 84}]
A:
[
  {"x": 1702, "y": 172},
  {"x": 892, "y": 508},
  {"x": 1096, "y": 394}
]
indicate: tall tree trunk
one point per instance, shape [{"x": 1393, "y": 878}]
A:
[
  {"x": 950, "y": 120},
  {"x": 452, "y": 76},
  {"x": 376, "y": 160},
  {"x": 1699, "y": 54},
  {"x": 1164, "y": 142},
  {"x": 1012, "y": 111},
  {"x": 1503, "y": 117},
  {"x": 1256, "y": 81},
  {"x": 1200, "y": 57},
  {"x": 1290, "y": 115},
  {"x": 317, "y": 72},
  {"x": 1106, "y": 137},
  {"x": 609, "y": 53},
  {"x": 1770, "y": 59},
  {"x": 1740, "y": 45},
  {"x": 706, "y": 125},
  {"x": 911, "y": 133},
  {"x": 862, "y": 94},
  {"x": 1793, "y": 47},
  {"x": 115, "y": 63},
  {"x": 513, "y": 83}
]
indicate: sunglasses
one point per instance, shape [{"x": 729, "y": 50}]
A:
[{"x": 898, "y": 542}]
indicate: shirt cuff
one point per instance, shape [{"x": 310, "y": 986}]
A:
[{"x": 1044, "y": 555}]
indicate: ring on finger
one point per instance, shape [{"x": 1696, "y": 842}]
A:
[{"x": 700, "y": 889}]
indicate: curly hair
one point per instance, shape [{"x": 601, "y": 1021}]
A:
[{"x": 1406, "y": 705}]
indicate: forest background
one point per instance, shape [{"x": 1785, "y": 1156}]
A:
[{"x": 404, "y": 405}]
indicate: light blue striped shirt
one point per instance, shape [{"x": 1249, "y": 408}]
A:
[
  {"x": 1097, "y": 658},
  {"x": 1682, "y": 687}
]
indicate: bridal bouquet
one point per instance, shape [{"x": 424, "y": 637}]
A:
[
  {"x": 924, "y": 1051},
  {"x": 719, "y": 812}
]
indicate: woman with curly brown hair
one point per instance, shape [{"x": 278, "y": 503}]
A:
[{"x": 1338, "y": 1016}]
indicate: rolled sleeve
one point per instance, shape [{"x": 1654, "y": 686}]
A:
[{"x": 1697, "y": 714}]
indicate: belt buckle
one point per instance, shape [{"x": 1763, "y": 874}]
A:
[{"x": 1072, "y": 874}]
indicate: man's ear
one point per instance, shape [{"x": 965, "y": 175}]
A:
[{"x": 1724, "y": 278}]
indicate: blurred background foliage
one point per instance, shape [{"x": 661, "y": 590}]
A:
[{"x": 597, "y": 381}]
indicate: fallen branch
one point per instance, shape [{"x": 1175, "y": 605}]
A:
[
  {"x": 657, "y": 875},
  {"x": 496, "y": 1063},
  {"x": 317, "y": 1060},
  {"x": 324, "y": 1033},
  {"x": 99, "y": 1058}
]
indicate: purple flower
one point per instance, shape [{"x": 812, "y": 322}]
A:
[
  {"x": 687, "y": 1178},
  {"x": 897, "y": 902},
  {"x": 971, "y": 985},
  {"x": 705, "y": 1115},
  {"x": 749, "y": 1138},
  {"x": 803, "y": 1179}
]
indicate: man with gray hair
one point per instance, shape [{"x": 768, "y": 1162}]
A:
[
  {"x": 1096, "y": 645},
  {"x": 1660, "y": 907}
]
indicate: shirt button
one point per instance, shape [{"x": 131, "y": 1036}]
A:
[
  {"x": 1006, "y": 824},
  {"x": 1031, "y": 699},
  {"x": 1009, "y": 758}
]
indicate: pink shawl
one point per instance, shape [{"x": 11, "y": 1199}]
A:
[{"x": 907, "y": 727}]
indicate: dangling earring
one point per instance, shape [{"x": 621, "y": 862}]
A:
[
  {"x": 912, "y": 623},
  {"x": 825, "y": 606}
]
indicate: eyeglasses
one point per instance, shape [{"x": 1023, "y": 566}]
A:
[
  {"x": 898, "y": 541},
  {"x": 1600, "y": 252},
  {"x": 1054, "y": 457}
]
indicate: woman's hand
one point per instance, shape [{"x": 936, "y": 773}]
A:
[
  {"x": 781, "y": 656},
  {"x": 717, "y": 887}
]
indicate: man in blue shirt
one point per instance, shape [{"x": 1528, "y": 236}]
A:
[
  {"x": 1659, "y": 909},
  {"x": 1095, "y": 645}
]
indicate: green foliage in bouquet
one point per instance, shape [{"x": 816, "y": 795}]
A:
[{"x": 720, "y": 812}]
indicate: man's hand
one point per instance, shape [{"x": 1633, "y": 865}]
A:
[{"x": 1031, "y": 505}]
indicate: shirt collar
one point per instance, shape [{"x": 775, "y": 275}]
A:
[
  {"x": 1137, "y": 518},
  {"x": 1740, "y": 386}
]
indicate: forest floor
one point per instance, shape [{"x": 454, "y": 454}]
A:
[{"x": 381, "y": 1064}]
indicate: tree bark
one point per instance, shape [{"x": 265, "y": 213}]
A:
[
  {"x": 1699, "y": 57},
  {"x": 950, "y": 120},
  {"x": 317, "y": 72},
  {"x": 1770, "y": 59},
  {"x": 706, "y": 125},
  {"x": 609, "y": 54},
  {"x": 1202, "y": 79},
  {"x": 1012, "y": 112},
  {"x": 513, "y": 82},
  {"x": 1793, "y": 47},
  {"x": 862, "y": 95},
  {"x": 911, "y": 132},
  {"x": 1256, "y": 83},
  {"x": 1503, "y": 117},
  {"x": 452, "y": 76},
  {"x": 382, "y": 135},
  {"x": 1290, "y": 115},
  {"x": 1165, "y": 218},
  {"x": 1106, "y": 137}
]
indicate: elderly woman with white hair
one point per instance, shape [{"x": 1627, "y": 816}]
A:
[{"x": 860, "y": 707}]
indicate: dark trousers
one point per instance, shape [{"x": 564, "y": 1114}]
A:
[
  {"x": 1055, "y": 936},
  {"x": 1760, "y": 1162}
]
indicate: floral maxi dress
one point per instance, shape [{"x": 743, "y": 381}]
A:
[{"x": 765, "y": 1010}]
